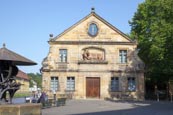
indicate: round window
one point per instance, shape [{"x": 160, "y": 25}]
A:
[{"x": 93, "y": 29}]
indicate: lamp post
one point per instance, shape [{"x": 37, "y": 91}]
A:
[
  {"x": 157, "y": 92},
  {"x": 54, "y": 96}
]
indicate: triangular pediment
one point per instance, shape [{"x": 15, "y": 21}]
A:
[{"x": 79, "y": 31}]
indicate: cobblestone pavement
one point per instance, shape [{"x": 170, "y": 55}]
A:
[{"x": 102, "y": 107}]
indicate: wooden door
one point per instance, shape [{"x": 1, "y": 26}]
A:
[{"x": 93, "y": 87}]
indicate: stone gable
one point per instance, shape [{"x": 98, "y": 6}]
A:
[{"x": 106, "y": 32}]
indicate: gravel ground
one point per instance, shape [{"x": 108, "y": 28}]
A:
[{"x": 102, "y": 107}]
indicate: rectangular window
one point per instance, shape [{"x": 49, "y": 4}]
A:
[
  {"x": 70, "y": 83},
  {"x": 131, "y": 84},
  {"x": 123, "y": 56},
  {"x": 63, "y": 55},
  {"x": 54, "y": 83},
  {"x": 114, "y": 84}
]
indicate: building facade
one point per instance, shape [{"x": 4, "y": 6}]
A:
[
  {"x": 93, "y": 59},
  {"x": 23, "y": 78}
]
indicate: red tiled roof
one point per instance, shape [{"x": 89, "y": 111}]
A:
[{"x": 22, "y": 75}]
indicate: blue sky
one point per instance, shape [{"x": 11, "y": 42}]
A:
[{"x": 25, "y": 25}]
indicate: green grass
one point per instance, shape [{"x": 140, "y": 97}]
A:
[{"x": 22, "y": 94}]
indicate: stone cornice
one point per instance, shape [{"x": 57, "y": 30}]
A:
[
  {"x": 92, "y": 62},
  {"x": 112, "y": 71},
  {"x": 92, "y": 42}
]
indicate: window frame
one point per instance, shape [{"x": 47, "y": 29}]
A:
[
  {"x": 131, "y": 84},
  {"x": 70, "y": 84},
  {"x": 54, "y": 83},
  {"x": 63, "y": 56},
  {"x": 115, "y": 84},
  {"x": 123, "y": 56}
]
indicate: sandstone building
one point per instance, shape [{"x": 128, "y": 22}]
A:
[
  {"x": 93, "y": 59},
  {"x": 23, "y": 78}
]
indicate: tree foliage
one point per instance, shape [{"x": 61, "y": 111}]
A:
[
  {"x": 152, "y": 26},
  {"x": 37, "y": 78}
]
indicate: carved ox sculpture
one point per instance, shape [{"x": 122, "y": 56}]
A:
[{"x": 92, "y": 55}]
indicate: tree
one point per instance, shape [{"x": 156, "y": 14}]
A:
[
  {"x": 152, "y": 26},
  {"x": 37, "y": 78}
]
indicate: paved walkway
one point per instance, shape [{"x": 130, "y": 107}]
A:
[{"x": 102, "y": 107}]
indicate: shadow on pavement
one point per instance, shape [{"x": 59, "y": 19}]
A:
[
  {"x": 102, "y": 107},
  {"x": 138, "y": 108}
]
